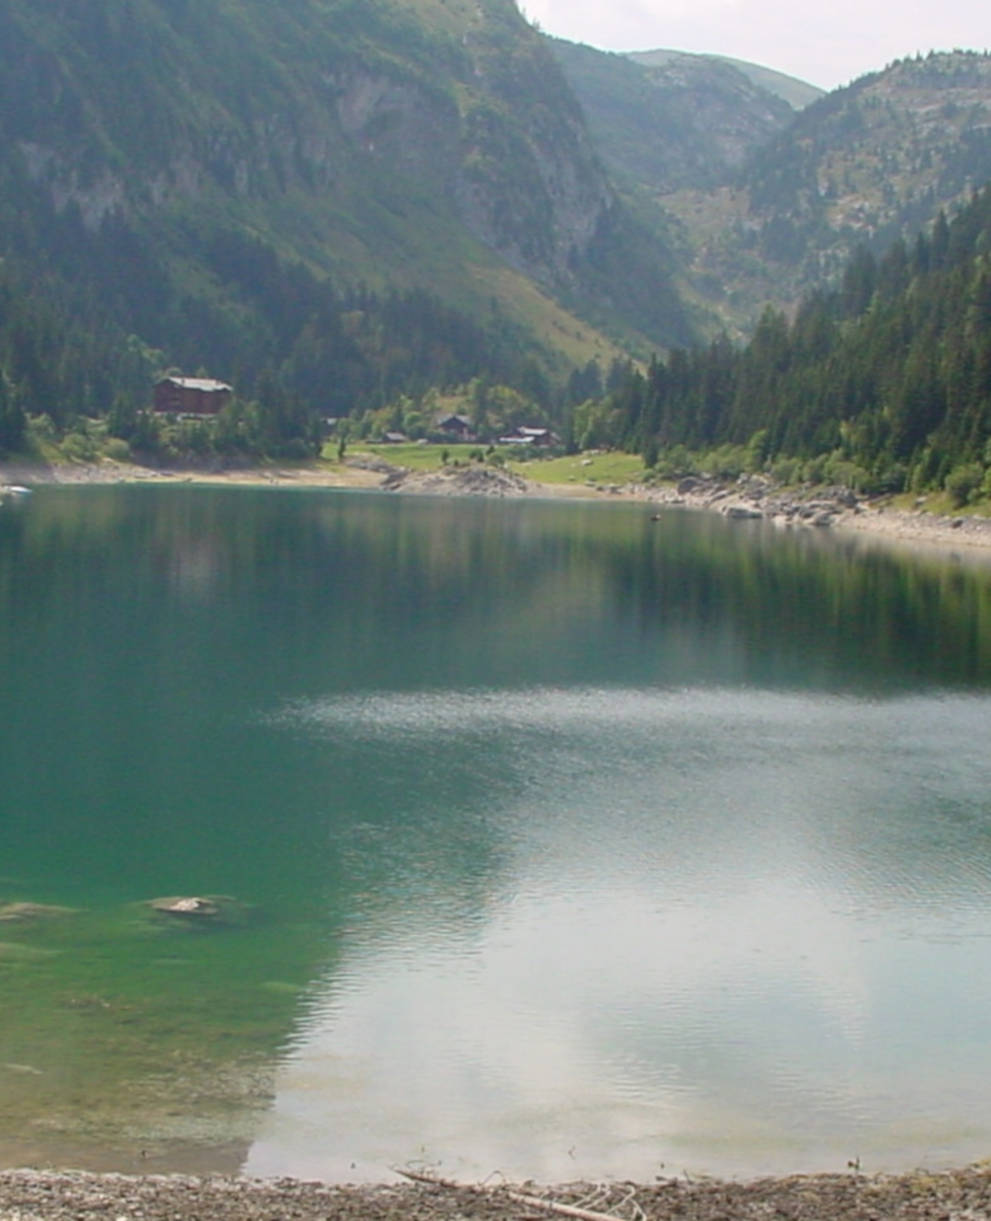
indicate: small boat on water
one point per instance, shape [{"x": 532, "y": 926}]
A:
[{"x": 13, "y": 490}]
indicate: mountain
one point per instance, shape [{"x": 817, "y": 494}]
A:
[
  {"x": 345, "y": 201},
  {"x": 864, "y": 165},
  {"x": 194, "y": 171},
  {"x": 797, "y": 93},
  {"x": 664, "y": 121},
  {"x": 766, "y": 199}
]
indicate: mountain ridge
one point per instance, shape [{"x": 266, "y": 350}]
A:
[{"x": 791, "y": 89}]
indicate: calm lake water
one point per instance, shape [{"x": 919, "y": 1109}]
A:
[{"x": 563, "y": 842}]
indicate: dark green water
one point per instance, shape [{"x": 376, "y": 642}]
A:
[{"x": 564, "y": 842}]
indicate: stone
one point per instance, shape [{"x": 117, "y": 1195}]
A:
[{"x": 192, "y": 905}]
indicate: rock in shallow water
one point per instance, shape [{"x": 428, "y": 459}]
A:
[
  {"x": 19, "y": 913},
  {"x": 198, "y": 911},
  {"x": 193, "y": 905}
]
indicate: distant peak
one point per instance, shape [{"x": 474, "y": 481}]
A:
[{"x": 797, "y": 93}]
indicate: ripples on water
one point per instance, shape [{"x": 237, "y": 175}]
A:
[{"x": 736, "y": 928}]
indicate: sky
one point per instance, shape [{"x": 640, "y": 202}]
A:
[{"x": 827, "y": 43}]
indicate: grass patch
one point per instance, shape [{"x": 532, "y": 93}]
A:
[
  {"x": 414, "y": 457},
  {"x": 940, "y": 504},
  {"x": 597, "y": 468}
]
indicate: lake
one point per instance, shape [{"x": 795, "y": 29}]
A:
[{"x": 548, "y": 839}]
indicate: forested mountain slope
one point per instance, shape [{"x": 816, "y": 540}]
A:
[
  {"x": 884, "y": 383},
  {"x": 191, "y": 172}
]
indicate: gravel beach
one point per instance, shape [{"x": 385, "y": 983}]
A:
[{"x": 963, "y": 1195}]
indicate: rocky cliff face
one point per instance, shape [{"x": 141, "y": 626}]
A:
[{"x": 371, "y": 138}]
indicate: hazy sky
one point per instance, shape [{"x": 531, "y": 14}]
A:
[{"x": 827, "y": 44}]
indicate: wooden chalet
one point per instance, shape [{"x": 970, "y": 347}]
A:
[
  {"x": 455, "y": 426},
  {"x": 191, "y": 395}
]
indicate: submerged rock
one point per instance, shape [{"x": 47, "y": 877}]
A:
[
  {"x": 198, "y": 911},
  {"x": 15, "y": 951},
  {"x": 193, "y": 905},
  {"x": 20, "y": 913}
]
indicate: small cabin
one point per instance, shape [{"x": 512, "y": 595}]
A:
[
  {"x": 191, "y": 395},
  {"x": 455, "y": 426},
  {"x": 529, "y": 436}
]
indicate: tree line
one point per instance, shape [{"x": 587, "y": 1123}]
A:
[
  {"x": 883, "y": 383},
  {"x": 297, "y": 347}
]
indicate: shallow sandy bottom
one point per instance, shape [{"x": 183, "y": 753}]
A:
[{"x": 954, "y": 1196}]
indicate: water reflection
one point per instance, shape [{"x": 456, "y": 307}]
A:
[
  {"x": 579, "y": 842},
  {"x": 717, "y": 946}
]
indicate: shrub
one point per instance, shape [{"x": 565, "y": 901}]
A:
[
  {"x": 847, "y": 474},
  {"x": 814, "y": 471},
  {"x": 727, "y": 462},
  {"x": 891, "y": 478},
  {"x": 78, "y": 447},
  {"x": 756, "y": 452},
  {"x": 675, "y": 463},
  {"x": 963, "y": 481},
  {"x": 786, "y": 470}
]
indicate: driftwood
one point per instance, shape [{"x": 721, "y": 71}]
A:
[{"x": 518, "y": 1197}]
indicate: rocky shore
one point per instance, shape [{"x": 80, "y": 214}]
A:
[
  {"x": 748, "y": 498},
  {"x": 753, "y": 497},
  {"x": 962, "y": 1195}
]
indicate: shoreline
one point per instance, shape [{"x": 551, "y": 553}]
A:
[
  {"x": 834, "y": 511},
  {"x": 68, "y": 1196},
  {"x": 810, "y": 509}
]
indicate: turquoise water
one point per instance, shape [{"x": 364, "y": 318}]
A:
[{"x": 563, "y": 842}]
